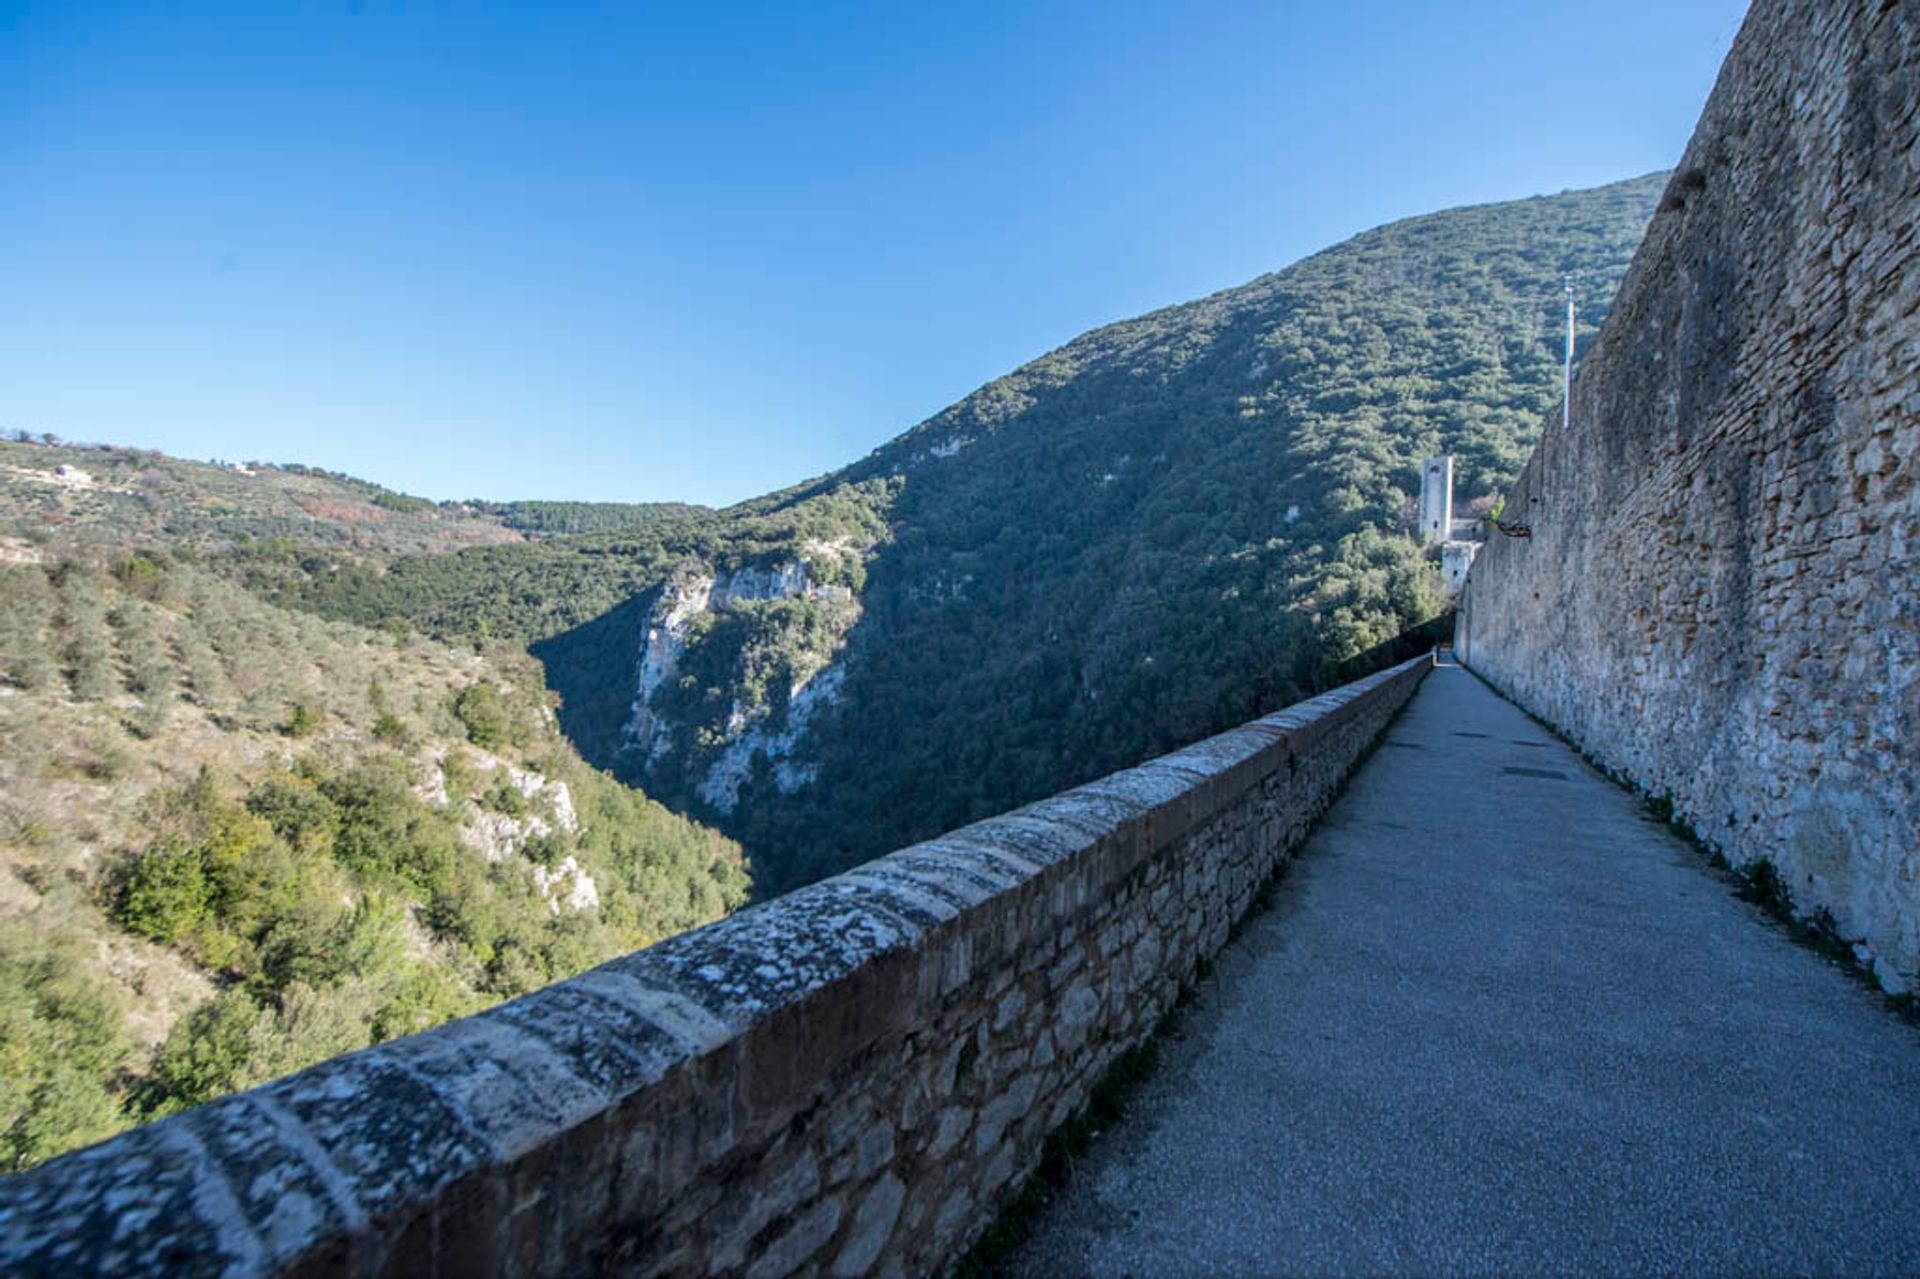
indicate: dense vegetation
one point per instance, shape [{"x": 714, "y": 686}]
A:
[
  {"x": 235, "y": 840},
  {"x": 1163, "y": 527},
  {"x": 549, "y": 519},
  {"x": 580, "y": 603}
]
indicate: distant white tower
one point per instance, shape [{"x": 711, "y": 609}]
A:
[{"x": 1436, "y": 500}]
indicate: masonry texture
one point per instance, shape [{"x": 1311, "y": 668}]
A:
[
  {"x": 848, "y": 1080},
  {"x": 1718, "y": 599}
]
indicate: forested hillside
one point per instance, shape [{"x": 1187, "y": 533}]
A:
[
  {"x": 1178, "y": 522},
  {"x": 1164, "y": 527},
  {"x": 554, "y": 519},
  {"x": 237, "y": 839}
]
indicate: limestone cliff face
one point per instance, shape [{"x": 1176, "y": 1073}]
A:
[
  {"x": 498, "y": 836},
  {"x": 803, "y": 662},
  {"x": 686, "y": 595},
  {"x": 780, "y": 743},
  {"x": 1720, "y": 598}
]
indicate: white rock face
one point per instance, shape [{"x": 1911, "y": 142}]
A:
[
  {"x": 735, "y": 764},
  {"x": 781, "y": 582},
  {"x": 554, "y": 794},
  {"x": 562, "y": 800},
  {"x": 433, "y": 788},
  {"x": 698, "y": 589},
  {"x": 63, "y": 476},
  {"x": 498, "y": 836},
  {"x": 567, "y": 886},
  {"x": 683, "y": 599},
  {"x": 691, "y": 592}
]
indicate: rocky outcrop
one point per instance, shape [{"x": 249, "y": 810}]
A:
[
  {"x": 66, "y": 477},
  {"x": 749, "y": 731},
  {"x": 759, "y": 736},
  {"x": 567, "y": 886},
  {"x": 782, "y": 581},
  {"x": 684, "y": 598},
  {"x": 498, "y": 836}
]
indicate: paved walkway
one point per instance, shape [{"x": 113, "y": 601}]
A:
[{"x": 1501, "y": 1022}]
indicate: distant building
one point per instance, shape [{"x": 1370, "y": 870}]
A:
[
  {"x": 1436, "y": 500},
  {"x": 1455, "y": 559}
]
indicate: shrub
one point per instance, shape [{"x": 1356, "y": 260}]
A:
[
  {"x": 165, "y": 894},
  {"x": 109, "y": 761},
  {"x": 205, "y": 1054},
  {"x": 26, "y": 609},
  {"x": 389, "y": 729},
  {"x": 547, "y": 850},
  {"x": 505, "y": 798},
  {"x": 302, "y": 945},
  {"x": 370, "y": 940},
  {"x": 422, "y": 997},
  {"x": 296, "y": 810},
  {"x": 139, "y": 574},
  {"x": 387, "y": 831},
  {"x": 306, "y": 1026},
  {"x": 63, "y": 1109},
  {"x": 302, "y": 721},
  {"x": 484, "y": 713}
]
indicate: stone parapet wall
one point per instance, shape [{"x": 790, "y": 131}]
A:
[
  {"x": 848, "y": 1080},
  {"x": 1720, "y": 598}
]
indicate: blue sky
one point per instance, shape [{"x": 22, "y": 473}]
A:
[{"x": 640, "y": 252}]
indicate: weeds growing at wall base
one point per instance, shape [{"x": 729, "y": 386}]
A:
[{"x": 1757, "y": 880}]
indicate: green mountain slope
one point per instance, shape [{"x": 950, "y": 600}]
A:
[
  {"x": 1175, "y": 523},
  {"x": 237, "y": 839},
  {"x": 1164, "y": 527}
]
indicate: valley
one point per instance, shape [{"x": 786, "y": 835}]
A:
[
  {"x": 1161, "y": 529},
  {"x": 291, "y": 763}
]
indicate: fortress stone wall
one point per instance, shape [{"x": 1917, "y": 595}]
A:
[
  {"x": 1720, "y": 598},
  {"x": 849, "y": 1080}
]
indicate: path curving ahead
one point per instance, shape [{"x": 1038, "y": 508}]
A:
[{"x": 1499, "y": 1021}]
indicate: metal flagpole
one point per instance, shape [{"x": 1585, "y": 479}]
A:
[{"x": 1566, "y": 381}]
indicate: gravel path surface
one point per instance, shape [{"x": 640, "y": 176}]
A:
[{"x": 1500, "y": 1021}]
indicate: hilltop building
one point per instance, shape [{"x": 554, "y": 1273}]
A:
[{"x": 1456, "y": 540}]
